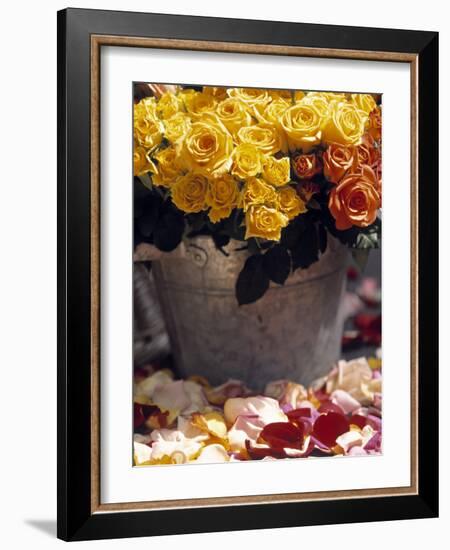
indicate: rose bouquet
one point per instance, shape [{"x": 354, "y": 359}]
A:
[{"x": 278, "y": 170}]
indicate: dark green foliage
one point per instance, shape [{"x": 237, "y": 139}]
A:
[
  {"x": 252, "y": 282},
  {"x": 277, "y": 264}
]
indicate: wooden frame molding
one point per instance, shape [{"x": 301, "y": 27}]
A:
[{"x": 96, "y": 42}]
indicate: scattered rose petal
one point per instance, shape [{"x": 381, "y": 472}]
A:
[
  {"x": 352, "y": 273},
  {"x": 286, "y": 392},
  {"x": 370, "y": 292},
  {"x": 212, "y": 422},
  {"x": 142, "y": 454},
  {"x": 258, "y": 451},
  {"x": 345, "y": 401},
  {"x": 245, "y": 427},
  {"x": 173, "y": 444},
  {"x": 349, "y": 439},
  {"x": 231, "y": 388},
  {"x": 266, "y": 408},
  {"x": 330, "y": 426},
  {"x": 370, "y": 328},
  {"x": 374, "y": 443},
  {"x": 213, "y": 453},
  {"x": 353, "y": 377},
  {"x": 330, "y": 406},
  {"x": 358, "y": 420},
  {"x": 183, "y": 421},
  {"x": 351, "y": 305},
  {"x": 145, "y": 439},
  {"x": 148, "y": 386},
  {"x": 279, "y": 435},
  {"x": 356, "y": 451}
]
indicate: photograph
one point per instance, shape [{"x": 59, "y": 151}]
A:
[
  {"x": 247, "y": 274},
  {"x": 256, "y": 253}
]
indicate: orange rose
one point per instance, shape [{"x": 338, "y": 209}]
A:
[
  {"x": 367, "y": 152},
  {"x": 355, "y": 199},
  {"x": 374, "y": 124},
  {"x": 337, "y": 161},
  {"x": 306, "y": 166}
]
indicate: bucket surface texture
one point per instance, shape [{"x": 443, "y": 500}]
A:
[{"x": 294, "y": 331}]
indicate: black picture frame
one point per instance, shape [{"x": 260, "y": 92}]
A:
[{"x": 76, "y": 521}]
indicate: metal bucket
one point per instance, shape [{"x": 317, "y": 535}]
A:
[{"x": 293, "y": 332}]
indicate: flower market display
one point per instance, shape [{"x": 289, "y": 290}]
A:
[{"x": 278, "y": 170}]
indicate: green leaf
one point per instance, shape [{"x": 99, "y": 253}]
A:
[
  {"x": 277, "y": 264},
  {"x": 169, "y": 231},
  {"x": 306, "y": 252},
  {"x": 146, "y": 213},
  {"x": 291, "y": 234},
  {"x": 146, "y": 180},
  {"x": 252, "y": 281},
  {"x": 367, "y": 240},
  {"x": 197, "y": 222},
  {"x": 360, "y": 257},
  {"x": 220, "y": 240},
  {"x": 233, "y": 225}
]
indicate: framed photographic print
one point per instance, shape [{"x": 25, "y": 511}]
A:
[{"x": 247, "y": 252}]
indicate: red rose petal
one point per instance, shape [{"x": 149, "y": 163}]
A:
[
  {"x": 258, "y": 453},
  {"x": 358, "y": 420},
  {"x": 295, "y": 414},
  {"x": 138, "y": 415},
  {"x": 283, "y": 434},
  {"x": 321, "y": 394},
  {"x": 368, "y": 322},
  {"x": 329, "y": 426},
  {"x": 329, "y": 406},
  {"x": 151, "y": 415},
  {"x": 352, "y": 273}
]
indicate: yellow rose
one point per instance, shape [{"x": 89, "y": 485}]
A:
[
  {"x": 148, "y": 129},
  {"x": 264, "y": 222},
  {"x": 207, "y": 147},
  {"x": 189, "y": 192},
  {"x": 168, "y": 105},
  {"x": 345, "y": 124},
  {"x": 364, "y": 102},
  {"x": 199, "y": 103},
  {"x": 302, "y": 124},
  {"x": 277, "y": 171},
  {"x": 290, "y": 203},
  {"x": 222, "y": 196},
  {"x": 266, "y": 137},
  {"x": 185, "y": 93},
  {"x": 272, "y": 113},
  {"x": 142, "y": 164},
  {"x": 257, "y": 191},
  {"x": 321, "y": 103},
  {"x": 167, "y": 169},
  {"x": 328, "y": 96},
  {"x": 246, "y": 161},
  {"x": 219, "y": 92},
  {"x": 284, "y": 95},
  {"x": 233, "y": 114},
  {"x": 250, "y": 96},
  {"x": 176, "y": 127}
]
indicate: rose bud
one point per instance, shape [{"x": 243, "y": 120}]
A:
[{"x": 306, "y": 166}]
